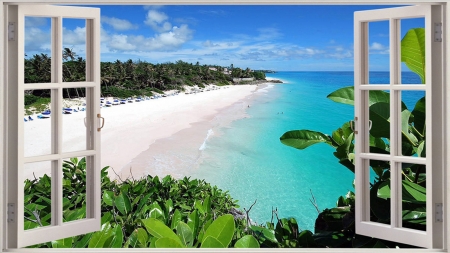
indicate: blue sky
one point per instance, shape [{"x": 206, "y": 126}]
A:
[{"x": 280, "y": 38}]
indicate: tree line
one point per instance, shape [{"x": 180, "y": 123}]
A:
[{"x": 129, "y": 78}]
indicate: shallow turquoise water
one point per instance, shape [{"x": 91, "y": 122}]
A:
[{"x": 248, "y": 159}]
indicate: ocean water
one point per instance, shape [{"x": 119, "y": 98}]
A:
[{"x": 248, "y": 159}]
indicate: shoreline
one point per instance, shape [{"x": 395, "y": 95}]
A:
[
  {"x": 181, "y": 153},
  {"x": 134, "y": 128}
]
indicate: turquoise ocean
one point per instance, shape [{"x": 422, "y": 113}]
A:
[{"x": 249, "y": 161}]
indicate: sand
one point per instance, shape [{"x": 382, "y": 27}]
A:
[{"x": 135, "y": 133}]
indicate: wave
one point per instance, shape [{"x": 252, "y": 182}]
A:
[{"x": 203, "y": 146}]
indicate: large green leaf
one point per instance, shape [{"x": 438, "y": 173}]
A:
[
  {"x": 302, "y": 139},
  {"x": 346, "y": 95},
  {"x": 419, "y": 116},
  {"x": 123, "y": 203},
  {"x": 99, "y": 238},
  {"x": 413, "y": 51},
  {"x": 116, "y": 240},
  {"x": 413, "y": 192},
  {"x": 221, "y": 229},
  {"x": 185, "y": 234},
  {"x": 193, "y": 222},
  {"x": 167, "y": 243},
  {"x": 211, "y": 242},
  {"x": 159, "y": 230},
  {"x": 176, "y": 217},
  {"x": 62, "y": 243},
  {"x": 247, "y": 241},
  {"x": 108, "y": 197},
  {"x": 137, "y": 239}
]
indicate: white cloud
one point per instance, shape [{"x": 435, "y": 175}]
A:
[
  {"x": 157, "y": 21},
  {"x": 378, "y": 48},
  {"x": 37, "y": 40},
  {"x": 74, "y": 37},
  {"x": 118, "y": 24},
  {"x": 166, "y": 41},
  {"x": 36, "y": 21},
  {"x": 268, "y": 33}
]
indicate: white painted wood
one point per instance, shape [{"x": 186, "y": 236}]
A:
[
  {"x": 57, "y": 229},
  {"x": 433, "y": 237}
]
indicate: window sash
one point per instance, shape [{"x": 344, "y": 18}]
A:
[
  {"x": 17, "y": 236},
  {"x": 433, "y": 237}
]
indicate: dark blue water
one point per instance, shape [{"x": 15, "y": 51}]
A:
[{"x": 249, "y": 160}]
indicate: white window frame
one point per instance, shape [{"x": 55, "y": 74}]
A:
[
  {"x": 445, "y": 106},
  {"x": 16, "y": 160},
  {"x": 434, "y": 96}
]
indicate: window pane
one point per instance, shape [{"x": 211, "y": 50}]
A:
[
  {"x": 74, "y": 110},
  {"x": 379, "y": 116},
  {"x": 413, "y": 123},
  {"x": 37, "y": 194},
  {"x": 380, "y": 192},
  {"x": 378, "y": 52},
  {"x": 414, "y": 196},
  {"x": 74, "y": 50},
  {"x": 413, "y": 51},
  {"x": 74, "y": 189},
  {"x": 37, "y": 127},
  {"x": 37, "y": 50}
]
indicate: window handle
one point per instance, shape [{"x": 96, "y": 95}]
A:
[
  {"x": 99, "y": 116},
  {"x": 353, "y": 122},
  {"x": 353, "y": 127}
]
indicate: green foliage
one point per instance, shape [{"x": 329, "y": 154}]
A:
[
  {"x": 413, "y": 51},
  {"x": 149, "y": 212}
]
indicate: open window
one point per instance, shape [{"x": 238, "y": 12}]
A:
[
  {"x": 26, "y": 224},
  {"x": 385, "y": 141}
]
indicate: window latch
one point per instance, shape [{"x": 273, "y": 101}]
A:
[
  {"x": 439, "y": 212},
  {"x": 11, "y": 212},
  {"x": 437, "y": 32}
]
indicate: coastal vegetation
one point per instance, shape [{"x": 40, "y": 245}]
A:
[{"x": 134, "y": 78}]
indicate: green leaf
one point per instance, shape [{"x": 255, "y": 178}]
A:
[
  {"x": 185, "y": 234},
  {"x": 268, "y": 234},
  {"x": 346, "y": 95},
  {"x": 159, "y": 230},
  {"x": 122, "y": 203},
  {"x": 167, "y": 243},
  {"x": 156, "y": 211},
  {"x": 247, "y": 241},
  {"x": 301, "y": 139},
  {"x": 83, "y": 243},
  {"x": 62, "y": 243},
  {"x": 138, "y": 238},
  {"x": 413, "y": 51},
  {"x": 419, "y": 116},
  {"x": 99, "y": 238},
  {"x": 116, "y": 240},
  {"x": 211, "y": 242},
  {"x": 413, "y": 192},
  {"x": 207, "y": 204},
  {"x": 176, "y": 217},
  {"x": 193, "y": 222},
  {"x": 221, "y": 229}
]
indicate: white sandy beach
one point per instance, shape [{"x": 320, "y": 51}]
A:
[{"x": 132, "y": 128}]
